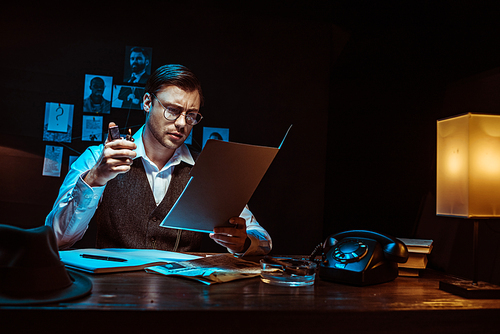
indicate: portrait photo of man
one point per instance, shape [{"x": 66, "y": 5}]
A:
[
  {"x": 97, "y": 94},
  {"x": 137, "y": 65},
  {"x": 215, "y": 133}
]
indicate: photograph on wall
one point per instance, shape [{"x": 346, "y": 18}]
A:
[
  {"x": 97, "y": 94},
  {"x": 92, "y": 128},
  {"x": 127, "y": 97},
  {"x": 137, "y": 64},
  {"x": 215, "y": 133},
  {"x": 52, "y": 161},
  {"x": 58, "y": 122}
]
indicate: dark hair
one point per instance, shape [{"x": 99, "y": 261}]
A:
[
  {"x": 94, "y": 79},
  {"x": 215, "y": 135},
  {"x": 173, "y": 75},
  {"x": 139, "y": 50}
]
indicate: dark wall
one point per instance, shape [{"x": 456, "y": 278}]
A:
[
  {"x": 404, "y": 67},
  {"x": 363, "y": 84},
  {"x": 388, "y": 88},
  {"x": 260, "y": 73}
]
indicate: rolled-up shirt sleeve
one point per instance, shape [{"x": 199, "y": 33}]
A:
[{"x": 76, "y": 202}]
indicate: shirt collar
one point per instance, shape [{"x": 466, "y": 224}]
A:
[{"x": 181, "y": 154}]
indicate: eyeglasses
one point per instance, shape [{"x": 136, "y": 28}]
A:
[{"x": 171, "y": 113}]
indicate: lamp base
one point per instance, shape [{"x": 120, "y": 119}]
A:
[{"x": 464, "y": 288}]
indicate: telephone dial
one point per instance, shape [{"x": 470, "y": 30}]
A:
[{"x": 361, "y": 258}]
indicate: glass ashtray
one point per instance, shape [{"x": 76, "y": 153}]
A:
[{"x": 287, "y": 272}]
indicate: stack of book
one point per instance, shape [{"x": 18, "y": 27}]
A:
[{"x": 418, "y": 250}]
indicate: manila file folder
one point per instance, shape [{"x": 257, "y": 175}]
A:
[{"x": 222, "y": 181}]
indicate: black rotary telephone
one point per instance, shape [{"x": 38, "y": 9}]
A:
[{"x": 361, "y": 258}]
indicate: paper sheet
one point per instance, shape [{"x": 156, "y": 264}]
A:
[
  {"x": 136, "y": 259},
  {"x": 92, "y": 128},
  {"x": 52, "y": 160},
  {"x": 222, "y": 182}
]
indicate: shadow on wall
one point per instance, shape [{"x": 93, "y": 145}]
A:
[{"x": 26, "y": 198}]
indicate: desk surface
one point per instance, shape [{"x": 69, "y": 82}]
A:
[{"x": 139, "y": 302}]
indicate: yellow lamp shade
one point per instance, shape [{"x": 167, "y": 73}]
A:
[{"x": 468, "y": 166}]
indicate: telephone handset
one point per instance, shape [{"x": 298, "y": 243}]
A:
[{"x": 361, "y": 258}]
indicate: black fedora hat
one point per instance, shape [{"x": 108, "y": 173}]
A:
[{"x": 31, "y": 271}]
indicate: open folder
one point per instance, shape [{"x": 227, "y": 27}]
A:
[
  {"x": 111, "y": 260},
  {"x": 222, "y": 182}
]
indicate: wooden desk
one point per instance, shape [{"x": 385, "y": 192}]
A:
[{"x": 139, "y": 302}]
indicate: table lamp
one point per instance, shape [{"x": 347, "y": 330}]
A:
[{"x": 468, "y": 184}]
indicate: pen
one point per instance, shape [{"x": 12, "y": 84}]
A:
[{"x": 104, "y": 258}]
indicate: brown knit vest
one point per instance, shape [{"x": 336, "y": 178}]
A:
[{"x": 128, "y": 217}]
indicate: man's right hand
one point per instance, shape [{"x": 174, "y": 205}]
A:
[{"x": 116, "y": 158}]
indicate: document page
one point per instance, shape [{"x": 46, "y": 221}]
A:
[
  {"x": 222, "y": 182},
  {"x": 118, "y": 259}
]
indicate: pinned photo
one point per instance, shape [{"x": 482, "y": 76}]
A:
[
  {"x": 52, "y": 161},
  {"x": 97, "y": 94},
  {"x": 58, "y": 122},
  {"x": 92, "y": 128},
  {"x": 127, "y": 97},
  {"x": 137, "y": 65},
  {"x": 215, "y": 133}
]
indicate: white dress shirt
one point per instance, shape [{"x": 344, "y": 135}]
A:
[{"x": 77, "y": 201}]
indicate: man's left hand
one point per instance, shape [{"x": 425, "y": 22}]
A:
[{"x": 232, "y": 238}]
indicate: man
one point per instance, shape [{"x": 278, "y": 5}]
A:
[
  {"x": 95, "y": 102},
  {"x": 131, "y": 186},
  {"x": 139, "y": 61}
]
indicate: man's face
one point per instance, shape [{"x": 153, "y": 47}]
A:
[
  {"x": 138, "y": 62},
  {"x": 170, "y": 134},
  {"x": 97, "y": 88}
]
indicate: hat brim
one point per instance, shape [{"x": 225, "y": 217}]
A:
[{"x": 80, "y": 287}]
